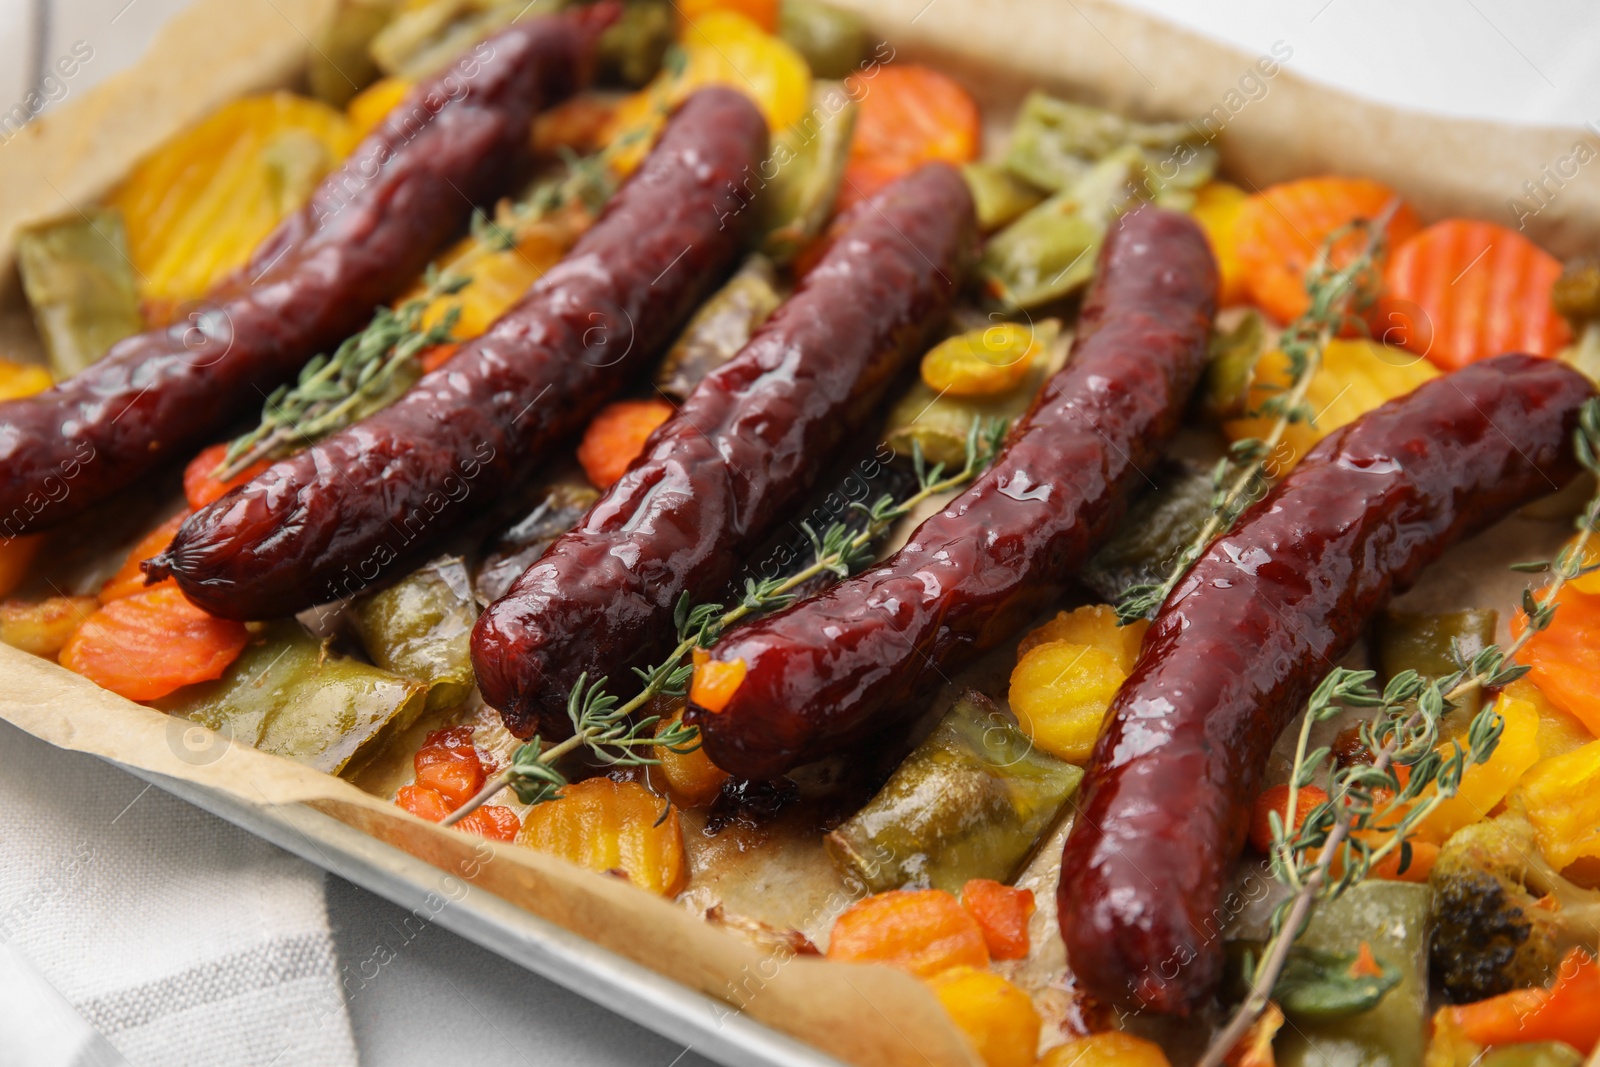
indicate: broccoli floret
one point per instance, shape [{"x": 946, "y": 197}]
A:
[{"x": 1503, "y": 917}]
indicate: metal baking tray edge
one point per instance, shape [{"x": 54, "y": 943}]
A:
[{"x": 709, "y": 1027}]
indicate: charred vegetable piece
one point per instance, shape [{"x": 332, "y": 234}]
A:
[
  {"x": 1392, "y": 919},
  {"x": 631, "y": 49},
  {"x": 1050, "y": 251},
  {"x": 807, "y": 164},
  {"x": 969, "y": 802},
  {"x": 421, "y": 628},
  {"x": 1157, "y": 527},
  {"x": 833, "y": 41},
  {"x": 340, "y": 65},
  {"x": 516, "y": 549},
  {"x": 287, "y": 695},
  {"x": 997, "y": 194},
  {"x": 720, "y": 328},
  {"x": 81, "y": 287},
  {"x": 1232, "y": 362},
  {"x": 1055, "y": 143},
  {"x": 1434, "y": 646}
]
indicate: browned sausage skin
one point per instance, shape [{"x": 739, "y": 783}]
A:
[
  {"x": 1239, "y": 644},
  {"x": 831, "y": 670},
  {"x": 745, "y": 447},
  {"x": 369, "y": 229},
  {"x": 363, "y": 503}
]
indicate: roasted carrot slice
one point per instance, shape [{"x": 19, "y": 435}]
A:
[
  {"x": 201, "y": 485},
  {"x": 923, "y": 931},
  {"x": 1564, "y": 659},
  {"x": 616, "y": 437},
  {"x": 1281, "y": 229},
  {"x": 1002, "y": 912},
  {"x": 129, "y": 579},
  {"x": 148, "y": 644},
  {"x": 909, "y": 116},
  {"x": 1276, "y": 799},
  {"x": 1462, "y": 290}
]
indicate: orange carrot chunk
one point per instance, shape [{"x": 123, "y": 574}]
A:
[
  {"x": 423, "y": 801},
  {"x": 148, "y": 644},
  {"x": 923, "y": 931},
  {"x": 1461, "y": 291},
  {"x": 492, "y": 821},
  {"x": 1564, "y": 659},
  {"x": 129, "y": 579},
  {"x": 201, "y": 485},
  {"x": 1276, "y": 798},
  {"x": 1002, "y": 912},
  {"x": 910, "y": 115},
  {"x": 1281, "y": 230},
  {"x": 448, "y": 762},
  {"x": 616, "y": 437}
]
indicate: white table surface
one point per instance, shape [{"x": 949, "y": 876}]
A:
[{"x": 1498, "y": 59}]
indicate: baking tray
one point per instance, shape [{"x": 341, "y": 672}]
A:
[{"x": 640, "y": 956}]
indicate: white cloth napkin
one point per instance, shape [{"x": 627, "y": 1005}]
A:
[{"x": 174, "y": 936}]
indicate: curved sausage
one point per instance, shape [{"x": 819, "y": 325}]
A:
[
  {"x": 1249, "y": 631},
  {"x": 741, "y": 452},
  {"x": 831, "y": 670},
  {"x": 326, "y": 523},
  {"x": 365, "y": 235}
]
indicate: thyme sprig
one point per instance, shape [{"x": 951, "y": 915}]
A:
[
  {"x": 1240, "y": 478},
  {"x": 606, "y": 728},
  {"x": 1403, "y": 731}
]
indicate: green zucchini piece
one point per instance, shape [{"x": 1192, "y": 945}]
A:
[
  {"x": 720, "y": 328},
  {"x": 631, "y": 49},
  {"x": 421, "y": 628},
  {"x": 804, "y": 171},
  {"x": 833, "y": 41},
  {"x": 1434, "y": 646},
  {"x": 1145, "y": 545},
  {"x": 970, "y": 802},
  {"x": 998, "y": 196}
]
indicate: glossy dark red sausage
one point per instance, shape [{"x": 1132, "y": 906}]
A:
[
  {"x": 1255, "y": 624},
  {"x": 741, "y": 452},
  {"x": 369, "y": 229},
  {"x": 828, "y": 671},
  {"x": 326, "y": 523}
]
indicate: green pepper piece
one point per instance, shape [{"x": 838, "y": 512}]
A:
[
  {"x": 1054, "y": 141},
  {"x": 421, "y": 628},
  {"x": 998, "y": 196},
  {"x": 1145, "y": 545},
  {"x": 970, "y": 802},
  {"x": 339, "y": 65},
  {"x": 1050, "y": 251},
  {"x": 422, "y": 41},
  {"x": 1533, "y": 1054},
  {"x": 1392, "y": 917},
  {"x": 720, "y": 328},
  {"x": 80, "y": 285},
  {"x": 288, "y": 696},
  {"x": 807, "y": 167},
  {"x": 832, "y": 41},
  {"x": 1320, "y": 985},
  {"x": 1230, "y": 363},
  {"x": 631, "y": 49},
  {"x": 1434, "y": 646}
]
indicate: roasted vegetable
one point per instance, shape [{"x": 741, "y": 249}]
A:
[
  {"x": 719, "y": 328},
  {"x": 1109, "y": 1048},
  {"x": 80, "y": 286},
  {"x": 983, "y": 362},
  {"x": 616, "y": 437},
  {"x": 1060, "y": 692},
  {"x": 612, "y": 826},
  {"x": 151, "y": 643},
  {"x": 631, "y": 49},
  {"x": 1050, "y": 251},
  {"x": 1055, "y": 144},
  {"x": 421, "y": 628},
  {"x": 515, "y": 550},
  {"x": 833, "y": 41},
  {"x": 998, "y": 1018},
  {"x": 1157, "y": 527},
  {"x": 1533, "y": 1054},
  {"x": 1568, "y": 1011},
  {"x": 1434, "y": 646},
  {"x": 1217, "y": 206},
  {"x": 16, "y": 557},
  {"x": 922, "y": 931},
  {"x": 806, "y": 166},
  {"x": 44, "y": 628},
  {"x": 969, "y": 802},
  {"x": 340, "y": 64},
  {"x": 1002, "y": 913},
  {"x": 1095, "y": 625},
  {"x": 288, "y": 695},
  {"x": 1390, "y": 918},
  {"x": 998, "y": 196},
  {"x": 1323, "y": 986},
  {"x": 425, "y": 37},
  {"x": 1503, "y": 916},
  {"x": 1561, "y": 798},
  {"x": 910, "y": 115},
  {"x": 1232, "y": 360}
]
